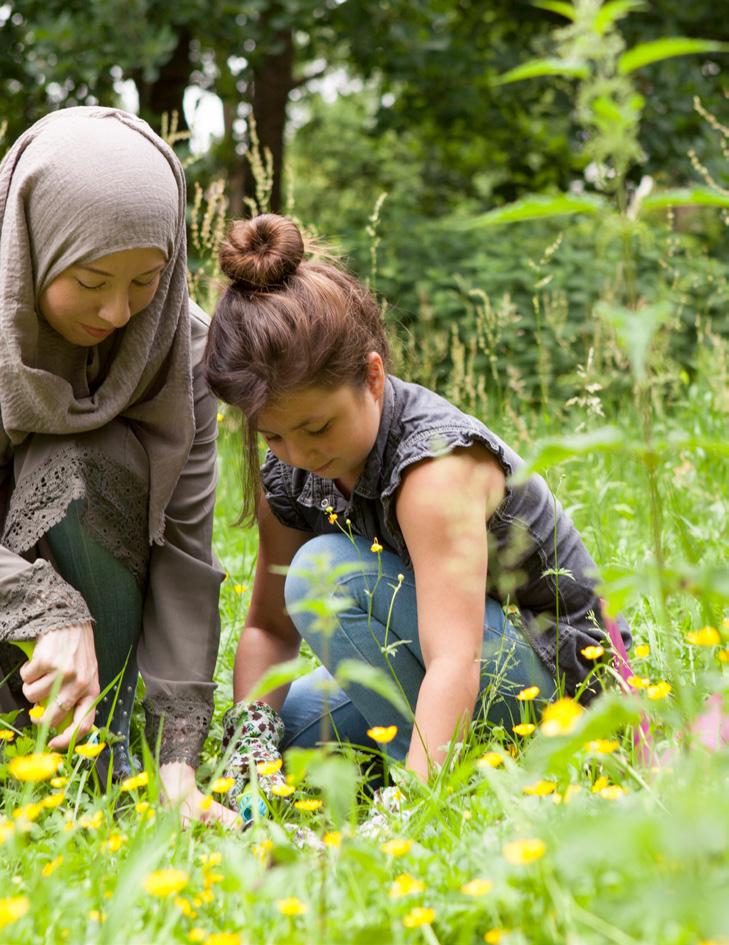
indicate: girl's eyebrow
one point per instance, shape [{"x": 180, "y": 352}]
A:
[
  {"x": 298, "y": 425},
  {"x": 103, "y": 272}
]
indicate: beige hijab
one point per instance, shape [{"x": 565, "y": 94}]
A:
[{"x": 78, "y": 185}]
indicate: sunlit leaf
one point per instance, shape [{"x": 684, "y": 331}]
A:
[
  {"x": 536, "y": 68},
  {"x": 611, "y": 12},
  {"x": 656, "y": 50},
  {"x": 537, "y": 207},
  {"x": 280, "y": 675},
  {"x": 362, "y": 674},
  {"x": 684, "y": 197},
  {"x": 554, "y": 450},
  {"x": 566, "y": 10},
  {"x": 636, "y": 328}
]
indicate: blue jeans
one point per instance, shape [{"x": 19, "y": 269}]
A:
[{"x": 316, "y": 707}]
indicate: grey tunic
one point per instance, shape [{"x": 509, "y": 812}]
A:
[{"x": 108, "y": 470}]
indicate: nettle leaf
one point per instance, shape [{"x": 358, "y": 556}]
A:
[
  {"x": 685, "y": 197},
  {"x": 280, "y": 675},
  {"x": 536, "y": 68},
  {"x": 557, "y": 449},
  {"x": 635, "y": 329},
  {"x": 537, "y": 206},
  {"x": 646, "y": 53},
  {"x": 362, "y": 674},
  {"x": 616, "y": 10},
  {"x": 557, "y": 6}
]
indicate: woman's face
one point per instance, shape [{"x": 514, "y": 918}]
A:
[{"x": 86, "y": 303}]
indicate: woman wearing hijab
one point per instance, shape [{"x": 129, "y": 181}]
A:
[{"x": 107, "y": 443}]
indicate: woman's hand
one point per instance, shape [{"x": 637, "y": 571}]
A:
[
  {"x": 180, "y": 789},
  {"x": 67, "y": 653}
]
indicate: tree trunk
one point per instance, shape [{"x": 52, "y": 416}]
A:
[
  {"x": 166, "y": 93},
  {"x": 272, "y": 80}
]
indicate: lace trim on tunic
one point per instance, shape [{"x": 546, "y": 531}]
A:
[
  {"x": 115, "y": 505},
  {"x": 184, "y": 721},
  {"x": 36, "y": 600}
]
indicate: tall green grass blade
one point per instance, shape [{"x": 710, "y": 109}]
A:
[{"x": 646, "y": 53}]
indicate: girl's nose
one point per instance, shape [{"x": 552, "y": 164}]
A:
[
  {"x": 302, "y": 458},
  {"x": 115, "y": 311}
]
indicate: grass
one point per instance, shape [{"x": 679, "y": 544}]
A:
[{"x": 626, "y": 853}]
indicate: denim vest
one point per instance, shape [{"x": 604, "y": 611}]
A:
[{"x": 536, "y": 557}]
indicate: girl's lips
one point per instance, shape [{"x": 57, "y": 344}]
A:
[{"x": 97, "y": 332}]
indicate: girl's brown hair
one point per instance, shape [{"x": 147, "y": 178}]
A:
[{"x": 286, "y": 322}]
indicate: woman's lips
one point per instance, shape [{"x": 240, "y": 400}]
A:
[{"x": 97, "y": 332}]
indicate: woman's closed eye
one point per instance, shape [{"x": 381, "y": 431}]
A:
[
  {"x": 92, "y": 287},
  {"x": 320, "y": 430}
]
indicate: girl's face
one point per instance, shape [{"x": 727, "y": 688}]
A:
[
  {"x": 329, "y": 432},
  {"x": 86, "y": 303}
]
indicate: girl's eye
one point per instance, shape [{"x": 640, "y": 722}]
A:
[
  {"x": 145, "y": 284},
  {"x": 270, "y": 437},
  {"x": 320, "y": 430},
  {"x": 92, "y": 287}
]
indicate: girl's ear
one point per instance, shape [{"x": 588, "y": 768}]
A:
[{"x": 375, "y": 374}]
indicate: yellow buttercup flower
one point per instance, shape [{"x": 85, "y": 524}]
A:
[
  {"x": 560, "y": 717},
  {"x": 164, "y": 883},
  {"x": 37, "y": 712},
  {"x": 376, "y": 547},
  {"x": 262, "y": 849},
  {"x": 540, "y": 789},
  {"x": 525, "y": 850},
  {"x": 308, "y": 804},
  {"x": 418, "y": 916},
  {"x": 115, "y": 842},
  {"x": 58, "y": 782},
  {"x": 13, "y": 908},
  {"x": 477, "y": 887},
  {"x": 723, "y": 655},
  {"x": 196, "y": 935},
  {"x": 283, "y": 790},
  {"x": 90, "y": 749},
  {"x": 382, "y": 733},
  {"x": 28, "y": 812},
  {"x": 50, "y": 868},
  {"x": 7, "y": 828},
  {"x": 528, "y": 694},
  {"x": 267, "y": 768},
  {"x": 398, "y": 846},
  {"x": 642, "y": 650},
  {"x": 6, "y": 735},
  {"x": 612, "y": 792},
  {"x": 602, "y": 746},
  {"x": 240, "y": 588},
  {"x": 291, "y": 905},
  {"x": 223, "y": 938},
  {"x": 92, "y": 821},
  {"x": 593, "y": 652},
  {"x": 205, "y": 802},
  {"x": 332, "y": 517},
  {"x": 332, "y": 838},
  {"x": 638, "y": 682},
  {"x": 137, "y": 781},
  {"x": 39, "y": 766},
  {"x": 54, "y": 800},
  {"x": 211, "y": 859},
  {"x": 659, "y": 691},
  {"x": 405, "y": 885},
  {"x": 706, "y": 636},
  {"x": 494, "y": 936},
  {"x": 524, "y": 728},
  {"x": 222, "y": 785},
  {"x": 600, "y": 783},
  {"x": 492, "y": 759}
]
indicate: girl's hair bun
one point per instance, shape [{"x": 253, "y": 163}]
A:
[{"x": 260, "y": 253}]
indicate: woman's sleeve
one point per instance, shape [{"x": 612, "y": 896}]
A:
[
  {"x": 34, "y": 598},
  {"x": 181, "y": 626}
]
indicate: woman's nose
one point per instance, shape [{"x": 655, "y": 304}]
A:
[{"x": 115, "y": 311}]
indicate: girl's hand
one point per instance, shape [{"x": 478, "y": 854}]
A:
[
  {"x": 180, "y": 789},
  {"x": 67, "y": 653}
]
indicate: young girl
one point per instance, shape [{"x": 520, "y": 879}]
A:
[
  {"x": 107, "y": 443},
  {"x": 298, "y": 346}
]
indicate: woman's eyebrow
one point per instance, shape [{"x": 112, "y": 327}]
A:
[{"x": 103, "y": 272}]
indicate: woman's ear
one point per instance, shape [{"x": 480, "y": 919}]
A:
[{"x": 375, "y": 374}]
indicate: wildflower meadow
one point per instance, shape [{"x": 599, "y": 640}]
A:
[{"x": 574, "y": 826}]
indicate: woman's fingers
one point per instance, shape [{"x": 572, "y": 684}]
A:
[
  {"x": 82, "y": 723},
  {"x": 223, "y": 815}
]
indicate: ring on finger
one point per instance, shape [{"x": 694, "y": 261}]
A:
[{"x": 66, "y": 706}]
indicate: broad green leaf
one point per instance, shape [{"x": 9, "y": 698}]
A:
[
  {"x": 337, "y": 779},
  {"x": 685, "y": 197},
  {"x": 536, "y": 68},
  {"x": 557, "y": 449},
  {"x": 557, "y": 6},
  {"x": 635, "y": 329},
  {"x": 646, "y": 53},
  {"x": 538, "y": 207},
  {"x": 362, "y": 674},
  {"x": 280, "y": 675},
  {"x": 616, "y": 10}
]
